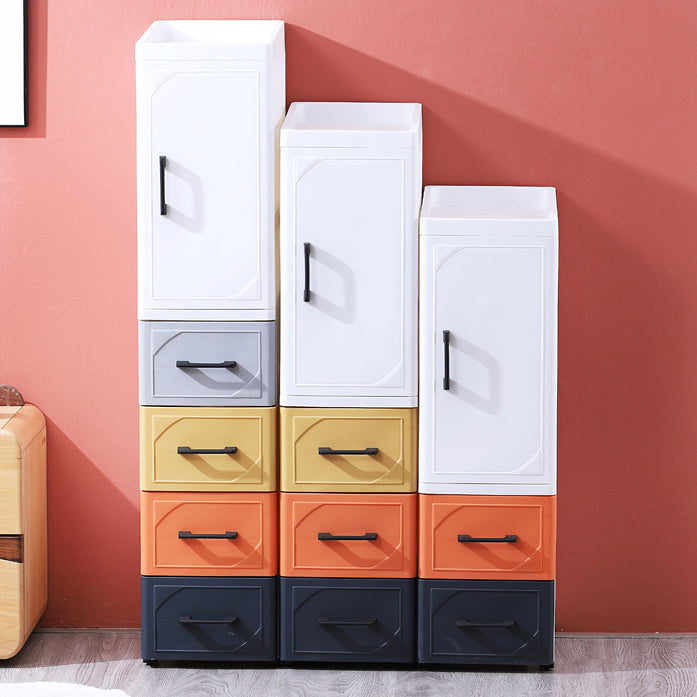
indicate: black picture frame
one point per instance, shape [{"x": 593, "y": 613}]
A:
[{"x": 13, "y": 63}]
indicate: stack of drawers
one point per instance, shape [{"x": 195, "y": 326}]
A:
[
  {"x": 487, "y": 425},
  {"x": 351, "y": 184},
  {"x": 210, "y": 103}
]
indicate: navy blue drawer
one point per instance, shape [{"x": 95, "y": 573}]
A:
[
  {"x": 208, "y": 619},
  {"x": 509, "y": 622},
  {"x": 346, "y": 620}
]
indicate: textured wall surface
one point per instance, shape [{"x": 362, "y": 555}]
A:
[{"x": 594, "y": 98}]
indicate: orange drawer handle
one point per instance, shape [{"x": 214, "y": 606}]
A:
[
  {"x": 505, "y": 538},
  {"x": 464, "y": 624},
  {"x": 186, "y": 450},
  {"x": 191, "y": 620},
  {"x": 351, "y": 623},
  {"x": 371, "y": 536},
  {"x": 329, "y": 451},
  {"x": 188, "y": 535}
]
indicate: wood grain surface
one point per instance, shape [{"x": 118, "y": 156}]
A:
[{"x": 12, "y": 548}]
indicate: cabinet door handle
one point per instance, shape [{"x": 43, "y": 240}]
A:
[
  {"x": 188, "y": 535},
  {"x": 191, "y": 620},
  {"x": 505, "y": 538},
  {"x": 446, "y": 359},
  {"x": 463, "y": 624},
  {"x": 163, "y": 165},
  {"x": 186, "y": 450},
  {"x": 329, "y": 451},
  {"x": 222, "y": 364},
  {"x": 350, "y": 623},
  {"x": 306, "y": 293},
  {"x": 371, "y": 536}
]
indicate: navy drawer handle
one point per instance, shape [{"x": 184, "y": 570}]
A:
[
  {"x": 163, "y": 205},
  {"x": 468, "y": 623},
  {"x": 191, "y": 620},
  {"x": 350, "y": 623},
  {"x": 223, "y": 364},
  {"x": 306, "y": 292},
  {"x": 505, "y": 538},
  {"x": 329, "y": 451},
  {"x": 328, "y": 536},
  {"x": 186, "y": 450},
  {"x": 446, "y": 359},
  {"x": 188, "y": 535}
]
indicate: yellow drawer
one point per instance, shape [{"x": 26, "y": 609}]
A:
[
  {"x": 343, "y": 450},
  {"x": 207, "y": 449}
]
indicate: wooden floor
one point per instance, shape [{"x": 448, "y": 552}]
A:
[{"x": 586, "y": 666}]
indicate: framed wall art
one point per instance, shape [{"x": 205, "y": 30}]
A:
[{"x": 13, "y": 62}]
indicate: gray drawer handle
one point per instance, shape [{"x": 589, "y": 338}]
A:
[
  {"x": 350, "y": 623},
  {"x": 505, "y": 538},
  {"x": 186, "y": 450},
  {"x": 371, "y": 536},
  {"x": 188, "y": 535},
  {"x": 223, "y": 364},
  {"x": 330, "y": 451},
  {"x": 464, "y": 624},
  {"x": 191, "y": 620}
]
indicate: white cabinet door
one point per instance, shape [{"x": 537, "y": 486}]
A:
[
  {"x": 349, "y": 235},
  {"x": 488, "y": 365},
  {"x": 207, "y": 205}
]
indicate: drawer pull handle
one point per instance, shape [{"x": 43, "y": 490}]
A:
[
  {"x": 505, "y": 538},
  {"x": 223, "y": 364},
  {"x": 464, "y": 624},
  {"x": 188, "y": 535},
  {"x": 446, "y": 359},
  {"x": 306, "y": 293},
  {"x": 186, "y": 450},
  {"x": 371, "y": 536},
  {"x": 191, "y": 620},
  {"x": 329, "y": 451},
  {"x": 350, "y": 623},
  {"x": 163, "y": 165}
]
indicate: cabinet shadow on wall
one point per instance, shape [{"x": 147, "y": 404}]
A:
[{"x": 627, "y": 333}]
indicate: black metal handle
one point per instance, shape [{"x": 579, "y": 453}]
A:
[
  {"x": 188, "y": 535},
  {"x": 306, "y": 294},
  {"x": 329, "y": 451},
  {"x": 328, "y": 536},
  {"x": 505, "y": 538},
  {"x": 186, "y": 450},
  {"x": 350, "y": 623},
  {"x": 191, "y": 620},
  {"x": 469, "y": 623},
  {"x": 222, "y": 364},
  {"x": 163, "y": 165},
  {"x": 446, "y": 359}
]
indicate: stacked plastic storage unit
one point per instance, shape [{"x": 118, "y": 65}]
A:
[
  {"x": 350, "y": 196},
  {"x": 487, "y": 425},
  {"x": 210, "y": 102}
]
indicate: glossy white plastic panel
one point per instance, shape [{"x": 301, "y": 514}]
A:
[
  {"x": 493, "y": 431},
  {"x": 206, "y": 248},
  {"x": 352, "y": 340}
]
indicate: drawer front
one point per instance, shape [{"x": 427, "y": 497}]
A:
[
  {"x": 360, "y": 620},
  {"x": 381, "y": 529},
  {"x": 207, "y": 363},
  {"x": 487, "y": 537},
  {"x": 208, "y": 534},
  {"x": 208, "y": 619},
  {"x": 12, "y": 610},
  {"x": 510, "y": 622},
  {"x": 341, "y": 450},
  {"x": 207, "y": 449}
]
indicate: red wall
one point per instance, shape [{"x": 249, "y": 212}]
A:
[{"x": 596, "y": 98}]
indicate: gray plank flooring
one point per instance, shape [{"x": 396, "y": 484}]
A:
[{"x": 586, "y": 666}]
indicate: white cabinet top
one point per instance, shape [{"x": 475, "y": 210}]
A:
[
  {"x": 243, "y": 40},
  {"x": 461, "y": 210},
  {"x": 352, "y": 124}
]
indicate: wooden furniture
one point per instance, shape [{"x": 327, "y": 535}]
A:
[{"x": 23, "y": 574}]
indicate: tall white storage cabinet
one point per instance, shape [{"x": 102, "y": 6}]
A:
[
  {"x": 351, "y": 188},
  {"x": 210, "y": 102},
  {"x": 488, "y": 330}
]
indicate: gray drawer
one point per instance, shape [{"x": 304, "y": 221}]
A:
[{"x": 207, "y": 363}]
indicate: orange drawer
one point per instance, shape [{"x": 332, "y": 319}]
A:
[
  {"x": 208, "y": 534},
  {"x": 487, "y": 537},
  {"x": 348, "y": 535}
]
